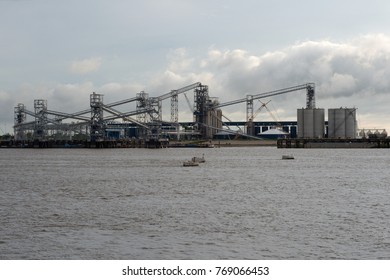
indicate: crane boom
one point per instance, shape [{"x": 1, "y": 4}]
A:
[
  {"x": 68, "y": 116},
  {"x": 310, "y": 102},
  {"x": 189, "y": 103},
  {"x": 128, "y": 114},
  {"x": 156, "y": 102},
  {"x": 178, "y": 91},
  {"x": 113, "y": 104},
  {"x": 125, "y": 118}
]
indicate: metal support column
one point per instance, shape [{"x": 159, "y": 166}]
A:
[
  {"x": 201, "y": 97},
  {"x": 174, "y": 108},
  {"x": 310, "y": 97},
  {"x": 249, "y": 115},
  {"x": 40, "y": 129},
  {"x": 249, "y": 108},
  {"x": 97, "y": 125},
  {"x": 175, "y": 112},
  {"x": 142, "y": 104},
  {"x": 19, "y": 120},
  {"x": 154, "y": 130}
]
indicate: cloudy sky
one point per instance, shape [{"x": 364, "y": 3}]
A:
[{"x": 63, "y": 51}]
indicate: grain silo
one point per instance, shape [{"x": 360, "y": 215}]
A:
[
  {"x": 311, "y": 123},
  {"x": 342, "y": 123},
  {"x": 213, "y": 123}
]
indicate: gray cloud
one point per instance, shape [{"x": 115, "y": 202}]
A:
[
  {"x": 347, "y": 74},
  {"x": 85, "y": 66}
]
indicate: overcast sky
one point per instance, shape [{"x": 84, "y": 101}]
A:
[{"x": 63, "y": 51}]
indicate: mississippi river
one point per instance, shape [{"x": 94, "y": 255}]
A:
[{"x": 242, "y": 203}]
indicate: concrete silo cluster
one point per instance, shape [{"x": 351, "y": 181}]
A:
[
  {"x": 340, "y": 131},
  {"x": 311, "y": 123},
  {"x": 342, "y": 123}
]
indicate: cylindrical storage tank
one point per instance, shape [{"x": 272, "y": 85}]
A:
[
  {"x": 308, "y": 123},
  {"x": 339, "y": 123},
  {"x": 319, "y": 123},
  {"x": 350, "y": 123},
  {"x": 342, "y": 123},
  {"x": 300, "y": 125},
  {"x": 331, "y": 123},
  {"x": 311, "y": 123}
]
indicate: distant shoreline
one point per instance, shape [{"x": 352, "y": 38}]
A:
[
  {"x": 244, "y": 143},
  {"x": 231, "y": 143},
  {"x": 138, "y": 144}
]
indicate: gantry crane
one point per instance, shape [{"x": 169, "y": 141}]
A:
[
  {"x": 154, "y": 104},
  {"x": 310, "y": 100},
  {"x": 95, "y": 122},
  {"x": 207, "y": 115},
  {"x": 48, "y": 119}
]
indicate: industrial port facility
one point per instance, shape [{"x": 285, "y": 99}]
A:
[{"x": 104, "y": 125}]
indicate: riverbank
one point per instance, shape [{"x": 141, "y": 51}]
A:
[
  {"x": 361, "y": 143},
  {"x": 137, "y": 144},
  {"x": 223, "y": 143},
  {"x": 243, "y": 143}
]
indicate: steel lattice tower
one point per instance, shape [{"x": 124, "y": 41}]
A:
[
  {"x": 201, "y": 98},
  {"x": 97, "y": 125},
  {"x": 40, "y": 129},
  {"x": 19, "y": 119}
]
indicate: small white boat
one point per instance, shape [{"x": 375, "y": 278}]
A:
[
  {"x": 287, "y": 157},
  {"x": 199, "y": 159},
  {"x": 190, "y": 163}
]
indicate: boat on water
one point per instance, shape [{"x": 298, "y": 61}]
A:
[
  {"x": 199, "y": 159},
  {"x": 287, "y": 157},
  {"x": 190, "y": 163},
  {"x": 194, "y": 161}
]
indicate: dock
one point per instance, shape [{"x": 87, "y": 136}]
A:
[
  {"x": 102, "y": 144},
  {"x": 298, "y": 143}
]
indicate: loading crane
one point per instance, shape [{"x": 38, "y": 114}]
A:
[
  {"x": 205, "y": 109},
  {"x": 263, "y": 105},
  {"x": 48, "y": 119},
  {"x": 43, "y": 120},
  {"x": 125, "y": 117},
  {"x": 154, "y": 106},
  {"x": 310, "y": 101},
  {"x": 62, "y": 116},
  {"x": 156, "y": 102},
  {"x": 310, "y": 98},
  {"x": 189, "y": 103}
]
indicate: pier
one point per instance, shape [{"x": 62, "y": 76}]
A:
[
  {"x": 333, "y": 143},
  {"x": 113, "y": 143}
]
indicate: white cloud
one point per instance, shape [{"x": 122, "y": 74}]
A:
[
  {"x": 70, "y": 98},
  {"x": 352, "y": 73},
  {"x": 339, "y": 84},
  {"x": 85, "y": 66},
  {"x": 179, "y": 60},
  {"x": 347, "y": 74}
]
